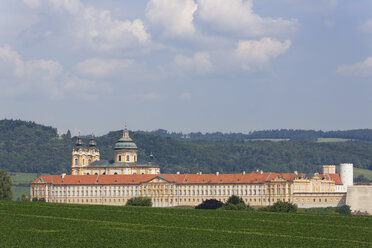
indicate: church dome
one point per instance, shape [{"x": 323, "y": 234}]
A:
[{"x": 125, "y": 142}]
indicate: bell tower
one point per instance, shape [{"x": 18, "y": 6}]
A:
[{"x": 83, "y": 156}]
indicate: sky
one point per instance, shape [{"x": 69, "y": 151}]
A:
[{"x": 187, "y": 65}]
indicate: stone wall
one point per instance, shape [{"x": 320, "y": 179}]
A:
[{"x": 359, "y": 198}]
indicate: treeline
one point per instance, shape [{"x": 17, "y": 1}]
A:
[
  {"x": 291, "y": 134},
  {"x": 29, "y": 147}
]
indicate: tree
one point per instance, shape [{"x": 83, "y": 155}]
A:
[
  {"x": 210, "y": 204},
  {"x": 281, "y": 206},
  {"x": 234, "y": 199},
  {"x": 24, "y": 197},
  {"x": 236, "y": 203},
  {"x": 362, "y": 179},
  {"x": 139, "y": 201},
  {"x": 345, "y": 209},
  {"x": 5, "y": 186}
]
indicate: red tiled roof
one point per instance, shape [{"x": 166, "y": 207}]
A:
[{"x": 251, "y": 178}]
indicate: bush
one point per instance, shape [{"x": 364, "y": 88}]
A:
[
  {"x": 210, "y": 204},
  {"x": 236, "y": 203},
  {"x": 139, "y": 201},
  {"x": 35, "y": 199},
  {"x": 280, "y": 206},
  {"x": 345, "y": 209},
  {"x": 234, "y": 199}
]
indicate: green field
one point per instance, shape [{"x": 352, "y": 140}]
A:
[
  {"x": 21, "y": 183},
  {"x": 273, "y": 140},
  {"x": 27, "y": 224},
  {"x": 332, "y": 140},
  {"x": 367, "y": 173}
]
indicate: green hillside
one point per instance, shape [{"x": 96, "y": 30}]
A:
[
  {"x": 27, "y": 224},
  {"x": 29, "y": 147}
]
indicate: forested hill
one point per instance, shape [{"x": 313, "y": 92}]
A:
[
  {"x": 29, "y": 147},
  {"x": 291, "y": 134}
]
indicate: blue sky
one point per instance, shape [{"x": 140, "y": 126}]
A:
[{"x": 187, "y": 65}]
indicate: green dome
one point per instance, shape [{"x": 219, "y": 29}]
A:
[{"x": 125, "y": 144}]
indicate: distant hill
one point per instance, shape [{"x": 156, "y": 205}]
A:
[
  {"x": 291, "y": 134},
  {"x": 30, "y": 147}
]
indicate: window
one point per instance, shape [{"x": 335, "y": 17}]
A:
[
  {"x": 119, "y": 158},
  {"x": 76, "y": 161},
  {"x": 89, "y": 161},
  {"x": 127, "y": 157},
  {"x": 83, "y": 161},
  {"x": 134, "y": 157}
]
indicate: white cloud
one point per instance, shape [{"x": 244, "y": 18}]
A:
[
  {"x": 32, "y": 3},
  {"x": 10, "y": 59},
  {"x": 185, "y": 96},
  {"x": 148, "y": 97},
  {"x": 199, "y": 63},
  {"x": 238, "y": 16},
  {"x": 257, "y": 53},
  {"x": 362, "y": 69},
  {"x": 366, "y": 27},
  {"x": 30, "y": 77},
  {"x": 97, "y": 28},
  {"x": 98, "y": 67},
  {"x": 174, "y": 17}
]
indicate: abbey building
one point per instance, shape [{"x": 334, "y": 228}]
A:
[{"x": 95, "y": 181}]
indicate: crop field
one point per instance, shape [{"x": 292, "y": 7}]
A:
[
  {"x": 364, "y": 172},
  {"x": 27, "y": 224},
  {"x": 21, "y": 183},
  {"x": 331, "y": 140}
]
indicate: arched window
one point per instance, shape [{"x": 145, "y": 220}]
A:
[
  {"x": 115, "y": 173},
  {"x": 83, "y": 161},
  {"x": 96, "y": 173},
  {"x": 76, "y": 161},
  {"x": 119, "y": 158},
  {"x": 134, "y": 157},
  {"x": 88, "y": 173},
  {"x": 89, "y": 161},
  {"x": 127, "y": 157}
]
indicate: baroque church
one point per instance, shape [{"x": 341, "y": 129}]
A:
[{"x": 86, "y": 160}]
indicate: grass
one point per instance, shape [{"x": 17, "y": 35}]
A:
[
  {"x": 26, "y": 224},
  {"x": 367, "y": 173},
  {"x": 332, "y": 140},
  {"x": 21, "y": 183}
]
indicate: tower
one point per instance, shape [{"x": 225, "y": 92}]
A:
[
  {"x": 83, "y": 156},
  {"x": 329, "y": 169},
  {"x": 346, "y": 174},
  {"x": 125, "y": 149}
]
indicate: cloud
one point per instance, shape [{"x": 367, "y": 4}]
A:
[
  {"x": 98, "y": 67},
  {"x": 237, "y": 16},
  {"x": 15, "y": 66},
  {"x": 97, "y": 28},
  {"x": 366, "y": 27},
  {"x": 185, "y": 96},
  {"x": 32, "y": 77},
  {"x": 361, "y": 69},
  {"x": 257, "y": 53},
  {"x": 148, "y": 97},
  {"x": 200, "y": 63},
  {"x": 174, "y": 17}
]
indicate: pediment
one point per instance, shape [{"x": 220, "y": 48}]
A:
[{"x": 158, "y": 179}]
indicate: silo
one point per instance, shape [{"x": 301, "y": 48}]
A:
[{"x": 346, "y": 174}]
